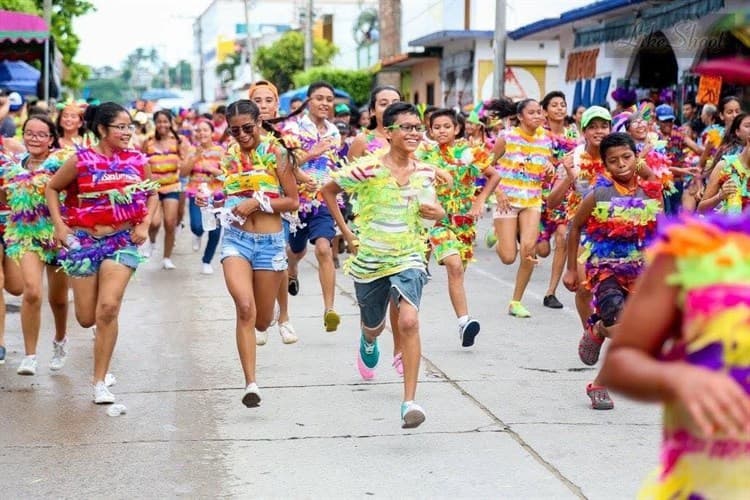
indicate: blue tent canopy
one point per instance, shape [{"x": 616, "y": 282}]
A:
[
  {"x": 18, "y": 76},
  {"x": 156, "y": 94},
  {"x": 285, "y": 99}
]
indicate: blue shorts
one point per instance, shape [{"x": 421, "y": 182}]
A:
[
  {"x": 169, "y": 196},
  {"x": 87, "y": 260},
  {"x": 317, "y": 225},
  {"x": 264, "y": 251},
  {"x": 373, "y": 297}
]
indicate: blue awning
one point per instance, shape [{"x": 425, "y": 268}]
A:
[
  {"x": 649, "y": 21},
  {"x": 571, "y": 16}
]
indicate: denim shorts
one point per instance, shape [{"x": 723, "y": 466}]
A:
[
  {"x": 169, "y": 196},
  {"x": 373, "y": 297},
  {"x": 317, "y": 225},
  {"x": 264, "y": 251}
]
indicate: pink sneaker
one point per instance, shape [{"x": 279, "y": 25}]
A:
[
  {"x": 398, "y": 364},
  {"x": 365, "y": 372}
]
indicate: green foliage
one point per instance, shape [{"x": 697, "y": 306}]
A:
[
  {"x": 20, "y": 6},
  {"x": 356, "y": 82},
  {"x": 110, "y": 89},
  {"x": 227, "y": 70},
  {"x": 181, "y": 75},
  {"x": 279, "y": 61}
]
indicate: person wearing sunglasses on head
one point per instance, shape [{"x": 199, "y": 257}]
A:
[
  {"x": 259, "y": 185},
  {"x": 394, "y": 193},
  {"x": 320, "y": 141},
  {"x": 30, "y": 241},
  {"x": 110, "y": 200}
]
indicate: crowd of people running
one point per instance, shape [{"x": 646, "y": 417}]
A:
[{"x": 602, "y": 191}]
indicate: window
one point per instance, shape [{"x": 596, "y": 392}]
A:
[{"x": 430, "y": 91}]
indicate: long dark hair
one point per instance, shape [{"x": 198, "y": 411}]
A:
[
  {"x": 170, "y": 117},
  {"x": 730, "y": 138},
  {"x": 374, "y": 98},
  {"x": 248, "y": 107},
  {"x": 50, "y": 125}
]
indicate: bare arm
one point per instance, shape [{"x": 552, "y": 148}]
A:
[
  {"x": 329, "y": 192},
  {"x": 358, "y": 147},
  {"x": 713, "y": 194},
  {"x": 63, "y": 178},
  {"x": 571, "y": 278}
]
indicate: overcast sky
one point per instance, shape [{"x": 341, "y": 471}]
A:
[{"x": 119, "y": 26}]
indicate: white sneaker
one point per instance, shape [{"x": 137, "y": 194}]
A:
[
  {"x": 288, "y": 335},
  {"x": 58, "y": 355},
  {"x": 261, "y": 337},
  {"x": 168, "y": 264},
  {"x": 196, "y": 243},
  {"x": 412, "y": 415},
  {"x": 207, "y": 269},
  {"x": 251, "y": 398},
  {"x": 102, "y": 396},
  {"x": 109, "y": 380},
  {"x": 146, "y": 249},
  {"x": 27, "y": 366}
]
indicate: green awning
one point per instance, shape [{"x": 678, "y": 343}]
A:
[{"x": 649, "y": 21}]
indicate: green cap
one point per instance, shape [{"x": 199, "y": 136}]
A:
[
  {"x": 595, "y": 112},
  {"x": 342, "y": 109}
]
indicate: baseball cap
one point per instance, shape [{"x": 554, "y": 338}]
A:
[
  {"x": 595, "y": 112},
  {"x": 15, "y": 100},
  {"x": 664, "y": 112},
  {"x": 342, "y": 109}
]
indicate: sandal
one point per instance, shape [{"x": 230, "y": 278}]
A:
[
  {"x": 590, "y": 346},
  {"x": 600, "y": 399}
]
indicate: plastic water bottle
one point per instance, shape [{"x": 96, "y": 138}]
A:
[
  {"x": 208, "y": 219},
  {"x": 427, "y": 196},
  {"x": 72, "y": 242}
]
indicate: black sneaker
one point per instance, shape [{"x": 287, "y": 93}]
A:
[
  {"x": 552, "y": 302},
  {"x": 293, "y": 285}
]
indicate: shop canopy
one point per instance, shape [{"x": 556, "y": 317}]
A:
[
  {"x": 17, "y": 76},
  {"x": 22, "y": 36}
]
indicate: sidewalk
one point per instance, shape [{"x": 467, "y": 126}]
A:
[{"x": 507, "y": 419}]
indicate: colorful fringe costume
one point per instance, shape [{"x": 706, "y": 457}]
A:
[
  {"x": 29, "y": 227},
  {"x": 387, "y": 218},
  {"x": 247, "y": 176},
  {"x": 616, "y": 235},
  {"x": 165, "y": 167},
  {"x": 302, "y": 135},
  {"x": 735, "y": 171},
  {"x": 455, "y": 234},
  {"x": 523, "y": 165},
  {"x": 711, "y": 138},
  {"x": 589, "y": 171},
  {"x": 659, "y": 163},
  {"x": 5, "y": 160},
  {"x": 713, "y": 277},
  {"x": 108, "y": 193},
  {"x": 556, "y": 217},
  {"x": 199, "y": 174}
]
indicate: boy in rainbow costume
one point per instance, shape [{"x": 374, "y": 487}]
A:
[
  {"x": 693, "y": 354},
  {"x": 618, "y": 220},
  {"x": 452, "y": 238},
  {"x": 109, "y": 193}
]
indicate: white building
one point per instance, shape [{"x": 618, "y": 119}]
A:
[
  {"x": 448, "y": 55},
  {"x": 638, "y": 44},
  {"x": 224, "y": 21}
]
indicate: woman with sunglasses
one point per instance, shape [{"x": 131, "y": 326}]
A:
[
  {"x": 259, "y": 186},
  {"x": 30, "y": 239},
  {"x": 110, "y": 200},
  {"x": 203, "y": 167},
  {"x": 265, "y": 95},
  {"x": 166, "y": 151}
]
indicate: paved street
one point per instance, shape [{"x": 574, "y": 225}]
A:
[{"x": 507, "y": 419}]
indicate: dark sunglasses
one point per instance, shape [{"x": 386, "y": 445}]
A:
[{"x": 247, "y": 128}]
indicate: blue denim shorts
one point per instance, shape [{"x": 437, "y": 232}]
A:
[
  {"x": 373, "y": 297},
  {"x": 169, "y": 196},
  {"x": 317, "y": 225},
  {"x": 264, "y": 251}
]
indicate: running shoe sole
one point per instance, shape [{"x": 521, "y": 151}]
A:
[
  {"x": 470, "y": 333},
  {"x": 293, "y": 286},
  {"x": 412, "y": 419},
  {"x": 251, "y": 400},
  {"x": 331, "y": 321}
]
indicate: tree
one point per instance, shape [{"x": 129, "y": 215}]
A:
[
  {"x": 181, "y": 75},
  {"x": 227, "y": 69},
  {"x": 279, "y": 61},
  {"x": 356, "y": 82},
  {"x": 66, "y": 40}
]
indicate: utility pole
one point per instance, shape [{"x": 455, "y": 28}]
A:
[
  {"x": 308, "y": 34},
  {"x": 47, "y": 6},
  {"x": 498, "y": 80},
  {"x": 248, "y": 42}
]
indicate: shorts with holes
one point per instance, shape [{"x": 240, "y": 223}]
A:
[
  {"x": 373, "y": 297},
  {"x": 264, "y": 251}
]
